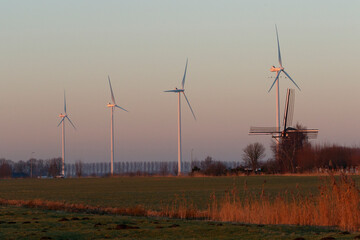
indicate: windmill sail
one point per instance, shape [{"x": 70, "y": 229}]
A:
[
  {"x": 262, "y": 130},
  {"x": 289, "y": 108},
  {"x": 288, "y": 118},
  {"x": 309, "y": 133}
]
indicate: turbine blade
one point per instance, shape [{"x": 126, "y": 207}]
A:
[
  {"x": 189, "y": 105},
  {"x": 61, "y": 121},
  {"x": 277, "y": 36},
  {"x": 64, "y": 103},
  {"x": 171, "y": 91},
  {"x": 183, "y": 81},
  {"x": 71, "y": 122},
  {"x": 277, "y": 77},
  {"x": 291, "y": 79},
  {"x": 121, "y": 108},
  {"x": 112, "y": 94}
]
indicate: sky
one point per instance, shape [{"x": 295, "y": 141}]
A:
[{"x": 51, "y": 46}]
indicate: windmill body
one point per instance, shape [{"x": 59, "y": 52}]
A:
[
  {"x": 179, "y": 91},
  {"x": 62, "y": 121},
  {"x": 112, "y": 105},
  {"x": 288, "y": 117}
]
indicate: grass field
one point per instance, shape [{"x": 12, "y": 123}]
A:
[
  {"x": 24, "y": 223},
  {"x": 152, "y": 193}
]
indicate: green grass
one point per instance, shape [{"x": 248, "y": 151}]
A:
[
  {"x": 25, "y": 223},
  {"x": 151, "y": 192}
]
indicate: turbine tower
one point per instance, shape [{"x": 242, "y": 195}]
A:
[
  {"x": 278, "y": 70},
  {"x": 63, "y": 116},
  {"x": 112, "y": 105},
  {"x": 179, "y": 91}
]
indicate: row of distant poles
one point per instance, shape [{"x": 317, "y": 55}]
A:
[{"x": 113, "y": 105}]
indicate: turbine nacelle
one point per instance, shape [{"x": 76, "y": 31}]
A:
[
  {"x": 62, "y": 115},
  {"x": 110, "y": 105},
  {"x": 275, "y": 69}
]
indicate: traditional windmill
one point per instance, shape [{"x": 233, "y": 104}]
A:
[{"x": 288, "y": 117}]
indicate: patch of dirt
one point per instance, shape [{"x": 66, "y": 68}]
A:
[
  {"x": 328, "y": 238},
  {"x": 63, "y": 219},
  {"x": 124, "y": 226},
  {"x": 174, "y": 226}
]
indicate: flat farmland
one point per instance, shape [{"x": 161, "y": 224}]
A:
[{"x": 151, "y": 192}]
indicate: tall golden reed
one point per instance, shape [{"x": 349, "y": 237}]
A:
[{"x": 337, "y": 204}]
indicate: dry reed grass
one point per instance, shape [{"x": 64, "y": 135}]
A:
[{"x": 337, "y": 204}]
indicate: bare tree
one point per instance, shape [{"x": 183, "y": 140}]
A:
[
  {"x": 253, "y": 153},
  {"x": 164, "y": 170},
  {"x": 5, "y": 169},
  {"x": 78, "y": 168},
  {"x": 212, "y": 167},
  {"x": 289, "y": 147},
  {"x": 54, "y": 167}
]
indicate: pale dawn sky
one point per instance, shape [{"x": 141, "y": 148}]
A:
[{"x": 49, "y": 46}]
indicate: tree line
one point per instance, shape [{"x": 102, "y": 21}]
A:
[
  {"x": 38, "y": 168},
  {"x": 295, "y": 154}
]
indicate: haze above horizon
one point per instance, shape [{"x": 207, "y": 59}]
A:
[{"x": 47, "y": 47}]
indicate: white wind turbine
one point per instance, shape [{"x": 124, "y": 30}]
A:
[
  {"x": 278, "y": 70},
  {"x": 179, "y": 91},
  {"x": 112, "y": 105},
  {"x": 63, "y": 116}
]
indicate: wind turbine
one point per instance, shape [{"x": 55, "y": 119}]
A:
[
  {"x": 179, "y": 91},
  {"x": 112, "y": 105},
  {"x": 278, "y": 70},
  {"x": 63, "y": 117}
]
